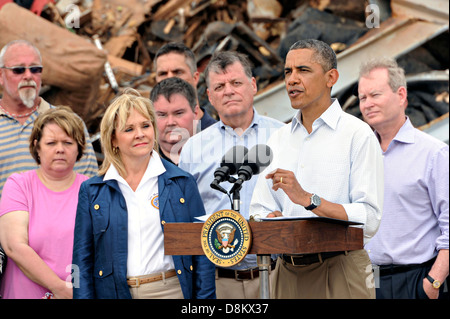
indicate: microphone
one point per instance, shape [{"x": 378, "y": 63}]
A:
[
  {"x": 255, "y": 161},
  {"x": 230, "y": 164}
]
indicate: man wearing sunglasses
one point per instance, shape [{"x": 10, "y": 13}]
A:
[
  {"x": 20, "y": 104},
  {"x": 21, "y": 69}
]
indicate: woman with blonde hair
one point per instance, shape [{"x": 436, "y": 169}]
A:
[
  {"x": 119, "y": 230},
  {"x": 38, "y": 207}
]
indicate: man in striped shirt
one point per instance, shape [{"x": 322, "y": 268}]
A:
[{"x": 20, "y": 78}]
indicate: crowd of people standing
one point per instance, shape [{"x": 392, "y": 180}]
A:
[{"x": 60, "y": 210}]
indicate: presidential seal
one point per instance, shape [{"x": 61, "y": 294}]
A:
[{"x": 226, "y": 238}]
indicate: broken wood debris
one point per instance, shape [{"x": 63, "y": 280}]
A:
[{"x": 131, "y": 32}]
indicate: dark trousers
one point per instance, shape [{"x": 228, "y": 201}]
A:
[{"x": 405, "y": 282}]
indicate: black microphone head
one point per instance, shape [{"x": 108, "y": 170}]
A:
[
  {"x": 234, "y": 158},
  {"x": 258, "y": 158}
]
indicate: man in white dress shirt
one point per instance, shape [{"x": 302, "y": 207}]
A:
[{"x": 326, "y": 163}]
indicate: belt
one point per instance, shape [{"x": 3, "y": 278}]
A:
[
  {"x": 241, "y": 274},
  {"x": 135, "y": 282},
  {"x": 395, "y": 269},
  {"x": 308, "y": 259}
]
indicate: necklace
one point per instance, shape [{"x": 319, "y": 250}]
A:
[{"x": 19, "y": 115}]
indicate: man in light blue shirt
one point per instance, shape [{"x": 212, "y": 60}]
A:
[
  {"x": 231, "y": 88},
  {"x": 411, "y": 245}
]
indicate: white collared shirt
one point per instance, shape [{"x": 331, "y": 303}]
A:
[
  {"x": 340, "y": 161},
  {"x": 145, "y": 236}
]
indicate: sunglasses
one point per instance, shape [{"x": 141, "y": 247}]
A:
[{"x": 21, "y": 69}]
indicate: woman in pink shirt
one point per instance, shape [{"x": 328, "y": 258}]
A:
[{"x": 37, "y": 211}]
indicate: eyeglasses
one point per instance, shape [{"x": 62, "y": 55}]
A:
[{"x": 21, "y": 69}]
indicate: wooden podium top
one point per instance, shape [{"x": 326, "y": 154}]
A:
[{"x": 272, "y": 237}]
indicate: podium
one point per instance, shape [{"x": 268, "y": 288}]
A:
[{"x": 297, "y": 236}]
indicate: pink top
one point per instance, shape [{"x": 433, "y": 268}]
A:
[{"x": 50, "y": 229}]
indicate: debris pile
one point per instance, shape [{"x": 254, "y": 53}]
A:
[{"x": 131, "y": 31}]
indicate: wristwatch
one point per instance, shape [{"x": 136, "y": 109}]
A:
[
  {"x": 315, "y": 202},
  {"x": 435, "y": 283}
]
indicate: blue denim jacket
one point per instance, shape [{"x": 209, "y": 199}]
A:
[{"x": 100, "y": 242}]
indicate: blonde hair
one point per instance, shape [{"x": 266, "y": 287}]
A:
[
  {"x": 116, "y": 115},
  {"x": 67, "y": 120}
]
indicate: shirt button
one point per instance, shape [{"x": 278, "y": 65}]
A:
[
  {"x": 182, "y": 200},
  {"x": 163, "y": 222},
  {"x": 179, "y": 272},
  {"x": 100, "y": 273},
  {"x": 96, "y": 206},
  {"x": 191, "y": 268}
]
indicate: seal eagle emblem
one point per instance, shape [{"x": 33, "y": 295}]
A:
[{"x": 226, "y": 238}]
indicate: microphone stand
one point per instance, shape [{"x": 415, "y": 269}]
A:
[
  {"x": 236, "y": 196},
  {"x": 263, "y": 261}
]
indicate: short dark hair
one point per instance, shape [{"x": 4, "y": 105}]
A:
[
  {"x": 222, "y": 59},
  {"x": 325, "y": 55},
  {"x": 180, "y": 48},
  {"x": 171, "y": 86}
]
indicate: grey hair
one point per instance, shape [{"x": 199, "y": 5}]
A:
[
  {"x": 396, "y": 74},
  {"x": 222, "y": 59},
  {"x": 325, "y": 55},
  {"x": 18, "y": 42}
]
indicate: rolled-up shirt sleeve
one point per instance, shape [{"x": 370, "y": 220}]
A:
[
  {"x": 366, "y": 186},
  {"x": 439, "y": 193},
  {"x": 340, "y": 160}
]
